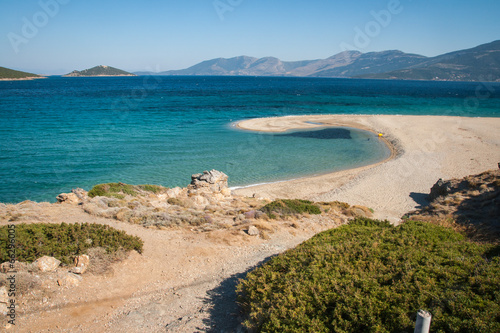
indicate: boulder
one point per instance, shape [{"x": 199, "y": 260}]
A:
[
  {"x": 253, "y": 231},
  {"x": 70, "y": 198},
  {"x": 80, "y": 193},
  {"x": 69, "y": 280},
  {"x": 47, "y": 264},
  {"x": 440, "y": 188},
  {"x": 81, "y": 264},
  {"x": 210, "y": 181}
]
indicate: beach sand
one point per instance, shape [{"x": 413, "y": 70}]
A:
[{"x": 425, "y": 148}]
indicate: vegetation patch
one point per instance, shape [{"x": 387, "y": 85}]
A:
[
  {"x": 369, "y": 276},
  {"x": 120, "y": 190},
  {"x": 65, "y": 241},
  {"x": 6, "y": 73},
  {"x": 152, "y": 188},
  {"x": 286, "y": 207}
]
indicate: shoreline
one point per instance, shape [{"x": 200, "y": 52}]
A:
[
  {"x": 423, "y": 149},
  {"x": 24, "y": 78}
]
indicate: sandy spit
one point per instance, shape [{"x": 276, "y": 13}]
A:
[{"x": 425, "y": 148}]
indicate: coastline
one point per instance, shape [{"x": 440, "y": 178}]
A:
[
  {"x": 24, "y": 78},
  {"x": 424, "y": 149}
]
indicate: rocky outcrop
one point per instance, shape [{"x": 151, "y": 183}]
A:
[
  {"x": 473, "y": 202},
  {"x": 212, "y": 181},
  {"x": 76, "y": 197}
]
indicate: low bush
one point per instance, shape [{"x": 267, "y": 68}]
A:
[
  {"x": 152, "y": 188},
  {"x": 369, "y": 276},
  {"x": 64, "y": 241},
  {"x": 116, "y": 190},
  {"x": 120, "y": 190},
  {"x": 285, "y": 207}
]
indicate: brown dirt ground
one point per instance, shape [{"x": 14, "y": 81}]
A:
[{"x": 184, "y": 281}]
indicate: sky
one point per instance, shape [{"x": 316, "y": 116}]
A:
[{"x": 59, "y": 36}]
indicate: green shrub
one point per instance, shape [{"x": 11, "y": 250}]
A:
[
  {"x": 116, "y": 190},
  {"x": 119, "y": 190},
  {"x": 65, "y": 241},
  {"x": 369, "y": 276},
  {"x": 286, "y": 207},
  {"x": 152, "y": 188}
]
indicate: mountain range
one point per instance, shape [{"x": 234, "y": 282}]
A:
[{"x": 481, "y": 63}]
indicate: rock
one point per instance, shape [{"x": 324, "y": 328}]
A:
[
  {"x": 208, "y": 219},
  {"x": 174, "y": 192},
  {"x": 69, "y": 280},
  {"x": 47, "y": 264},
  {"x": 70, "y": 198},
  {"x": 250, "y": 215},
  {"x": 253, "y": 231},
  {"x": 81, "y": 264},
  {"x": 226, "y": 192},
  {"x": 80, "y": 193},
  {"x": 4, "y": 298},
  {"x": 16, "y": 267},
  {"x": 440, "y": 188},
  {"x": 260, "y": 215},
  {"x": 200, "y": 201},
  {"x": 211, "y": 181}
]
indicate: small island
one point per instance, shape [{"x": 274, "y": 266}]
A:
[
  {"x": 99, "y": 71},
  {"x": 7, "y": 74}
]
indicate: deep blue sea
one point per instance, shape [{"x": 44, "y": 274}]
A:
[{"x": 61, "y": 133}]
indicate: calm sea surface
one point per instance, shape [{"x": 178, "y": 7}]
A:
[{"x": 61, "y": 133}]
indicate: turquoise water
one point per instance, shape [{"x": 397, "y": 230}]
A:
[{"x": 60, "y": 133}]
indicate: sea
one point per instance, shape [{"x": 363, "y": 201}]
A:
[{"x": 60, "y": 133}]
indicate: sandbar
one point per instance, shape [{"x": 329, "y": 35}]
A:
[{"x": 424, "y": 149}]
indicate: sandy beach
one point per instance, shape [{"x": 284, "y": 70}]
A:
[{"x": 425, "y": 148}]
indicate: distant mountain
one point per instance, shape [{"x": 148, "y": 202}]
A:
[
  {"x": 481, "y": 63},
  {"x": 100, "y": 71},
  {"x": 10, "y": 74},
  {"x": 372, "y": 63}
]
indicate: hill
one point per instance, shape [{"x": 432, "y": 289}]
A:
[
  {"x": 10, "y": 74},
  {"x": 100, "y": 71},
  {"x": 481, "y": 63}
]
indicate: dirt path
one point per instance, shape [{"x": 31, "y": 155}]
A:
[{"x": 183, "y": 282}]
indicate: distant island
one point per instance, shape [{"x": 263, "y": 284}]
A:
[
  {"x": 99, "y": 71},
  {"x": 7, "y": 74},
  {"x": 481, "y": 63}
]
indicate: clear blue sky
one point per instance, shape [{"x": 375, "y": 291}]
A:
[{"x": 161, "y": 35}]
